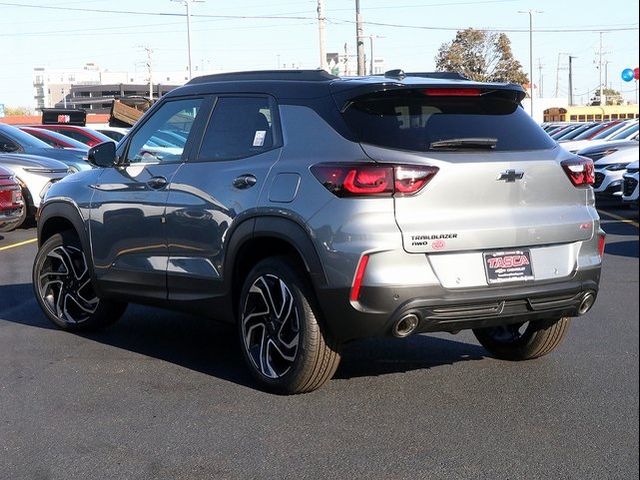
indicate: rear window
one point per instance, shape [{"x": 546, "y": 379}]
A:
[{"x": 411, "y": 120}]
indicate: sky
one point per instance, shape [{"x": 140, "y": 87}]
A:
[{"x": 62, "y": 37}]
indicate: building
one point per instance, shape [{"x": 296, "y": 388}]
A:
[
  {"x": 98, "y": 98},
  {"x": 53, "y": 87}
]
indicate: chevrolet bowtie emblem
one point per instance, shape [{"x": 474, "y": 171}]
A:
[{"x": 510, "y": 176}]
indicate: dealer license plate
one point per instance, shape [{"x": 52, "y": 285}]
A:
[{"x": 508, "y": 266}]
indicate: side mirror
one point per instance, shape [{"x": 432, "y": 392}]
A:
[{"x": 102, "y": 155}]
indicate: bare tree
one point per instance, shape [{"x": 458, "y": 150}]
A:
[{"x": 481, "y": 56}]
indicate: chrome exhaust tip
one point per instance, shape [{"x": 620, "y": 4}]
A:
[
  {"x": 405, "y": 326},
  {"x": 587, "y": 302}
]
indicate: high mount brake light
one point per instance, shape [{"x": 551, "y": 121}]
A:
[
  {"x": 452, "y": 92},
  {"x": 361, "y": 180},
  {"x": 580, "y": 171}
]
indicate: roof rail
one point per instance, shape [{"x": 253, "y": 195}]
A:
[{"x": 299, "y": 75}]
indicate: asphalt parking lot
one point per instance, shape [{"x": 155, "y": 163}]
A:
[{"x": 164, "y": 395}]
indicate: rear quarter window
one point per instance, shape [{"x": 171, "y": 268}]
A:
[{"x": 411, "y": 120}]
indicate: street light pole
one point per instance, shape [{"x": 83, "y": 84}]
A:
[
  {"x": 187, "y": 3},
  {"x": 530, "y": 12},
  {"x": 359, "y": 44}
]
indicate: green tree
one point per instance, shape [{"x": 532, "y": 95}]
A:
[{"x": 481, "y": 56}]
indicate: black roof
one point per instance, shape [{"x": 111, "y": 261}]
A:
[{"x": 309, "y": 84}]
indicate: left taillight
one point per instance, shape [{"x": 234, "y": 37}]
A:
[
  {"x": 361, "y": 180},
  {"x": 580, "y": 171}
]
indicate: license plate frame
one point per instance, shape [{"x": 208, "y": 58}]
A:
[{"x": 507, "y": 266}]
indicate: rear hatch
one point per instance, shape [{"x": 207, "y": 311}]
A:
[{"x": 500, "y": 184}]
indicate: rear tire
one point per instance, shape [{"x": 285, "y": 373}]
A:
[
  {"x": 523, "y": 341},
  {"x": 282, "y": 337},
  {"x": 64, "y": 289}
]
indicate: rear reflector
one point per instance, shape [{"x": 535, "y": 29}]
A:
[
  {"x": 452, "y": 92},
  {"x": 357, "y": 280},
  {"x": 580, "y": 171},
  {"x": 358, "y": 180},
  {"x": 601, "y": 244}
]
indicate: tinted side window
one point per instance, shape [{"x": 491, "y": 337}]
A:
[
  {"x": 164, "y": 136},
  {"x": 239, "y": 127}
]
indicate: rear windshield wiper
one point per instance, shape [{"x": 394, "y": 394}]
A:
[{"x": 456, "y": 143}]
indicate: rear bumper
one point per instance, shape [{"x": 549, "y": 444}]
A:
[{"x": 440, "y": 309}]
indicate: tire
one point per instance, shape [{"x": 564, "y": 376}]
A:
[
  {"x": 9, "y": 227},
  {"x": 523, "y": 341},
  {"x": 283, "y": 340},
  {"x": 64, "y": 290}
]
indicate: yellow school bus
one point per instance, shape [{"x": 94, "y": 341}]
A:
[{"x": 591, "y": 113}]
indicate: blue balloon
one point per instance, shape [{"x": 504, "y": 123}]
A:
[{"x": 627, "y": 74}]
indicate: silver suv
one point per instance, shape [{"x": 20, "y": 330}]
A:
[{"x": 312, "y": 210}]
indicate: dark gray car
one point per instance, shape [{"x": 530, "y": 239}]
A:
[{"x": 311, "y": 211}]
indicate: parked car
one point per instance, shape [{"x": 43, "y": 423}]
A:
[
  {"x": 311, "y": 210},
  {"x": 114, "y": 133},
  {"x": 35, "y": 175},
  {"x": 609, "y": 171},
  {"x": 11, "y": 201},
  {"x": 14, "y": 140},
  {"x": 630, "y": 185},
  {"x": 82, "y": 134},
  {"x": 574, "y": 132},
  {"x": 54, "y": 139},
  {"x": 570, "y": 129},
  {"x": 629, "y": 131}
]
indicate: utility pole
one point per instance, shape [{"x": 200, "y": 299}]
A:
[
  {"x": 530, "y": 12},
  {"x": 149, "y": 65},
  {"x": 359, "y": 42},
  {"x": 541, "y": 90},
  {"x": 323, "y": 51},
  {"x": 603, "y": 101},
  {"x": 571, "y": 80},
  {"x": 187, "y": 3}
]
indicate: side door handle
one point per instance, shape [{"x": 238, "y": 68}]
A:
[
  {"x": 157, "y": 183},
  {"x": 245, "y": 181}
]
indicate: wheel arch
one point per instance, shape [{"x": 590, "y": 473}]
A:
[{"x": 261, "y": 237}]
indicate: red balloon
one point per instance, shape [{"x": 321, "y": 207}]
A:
[{"x": 636, "y": 73}]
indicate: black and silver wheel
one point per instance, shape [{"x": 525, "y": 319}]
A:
[
  {"x": 64, "y": 289},
  {"x": 283, "y": 342},
  {"x": 523, "y": 341}
]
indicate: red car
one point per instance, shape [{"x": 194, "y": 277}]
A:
[
  {"x": 54, "y": 139},
  {"x": 82, "y": 134},
  {"x": 12, "y": 208}
]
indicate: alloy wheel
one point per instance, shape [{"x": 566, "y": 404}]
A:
[
  {"x": 271, "y": 326},
  {"x": 64, "y": 285}
]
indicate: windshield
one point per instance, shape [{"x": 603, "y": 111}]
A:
[
  {"x": 414, "y": 120},
  {"x": 26, "y": 140}
]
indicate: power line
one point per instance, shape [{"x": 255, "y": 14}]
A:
[{"x": 297, "y": 17}]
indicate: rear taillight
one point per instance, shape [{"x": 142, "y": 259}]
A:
[
  {"x": 601, "y": 244},
  {"x": 580, "y": 171},
  {"x": 357, "y": 180}
]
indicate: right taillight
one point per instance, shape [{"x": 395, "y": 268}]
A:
[
  {"x": 380, "y": 180},
  {"x": 580, "y": 171}
]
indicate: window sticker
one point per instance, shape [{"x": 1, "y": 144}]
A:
[{"x": 258, "y": 139}]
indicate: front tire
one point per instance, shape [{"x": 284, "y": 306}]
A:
[
  {"x": 523, "y": 341},
  {"x": 64, "y": 289},
  {"x": 283, "y": 340}
]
